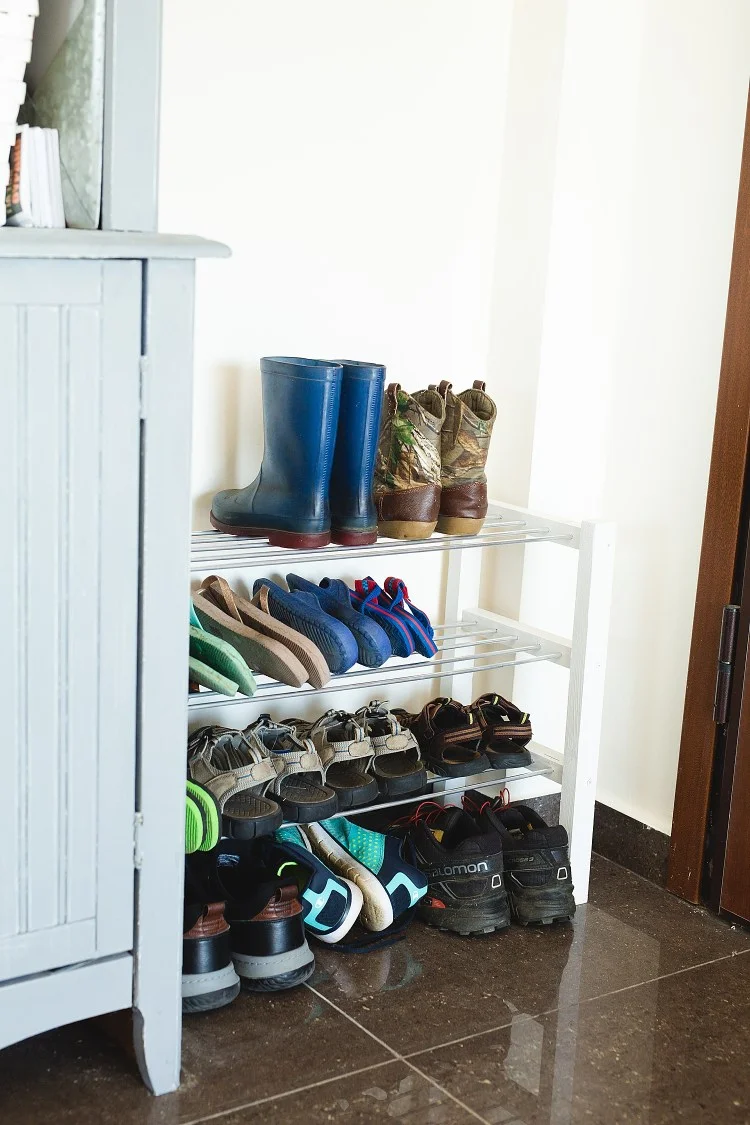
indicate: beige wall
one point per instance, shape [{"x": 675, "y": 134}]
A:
[{"x": 536, "y": 193}]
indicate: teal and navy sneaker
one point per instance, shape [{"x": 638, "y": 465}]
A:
[
  {"x": 330, "y": 905},
  {"x": 390, "y": 886}
]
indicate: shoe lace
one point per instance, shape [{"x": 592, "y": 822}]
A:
[
  {"x": 424, "y": 812},
  {"x": 476, "y": 808}
]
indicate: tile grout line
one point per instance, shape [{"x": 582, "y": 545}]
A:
[
  {"x": 586, "y": 1000},
  {"x": 286, "y": 1093},
  {"x": 398, "y": 1057}
]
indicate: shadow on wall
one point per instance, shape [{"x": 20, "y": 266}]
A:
[{"x": 237, "y": 417}]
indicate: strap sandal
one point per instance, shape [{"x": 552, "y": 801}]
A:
[
  {"x": 299, "y": 775},
  {"x": 506, "y": 731},
  {"x": 253, "y": 633},
  {"x": 202, "y": 819},
  {"x": 237, "y": 773},
  {"x": 302, "y": 611},
  {"x": 366, "y": 597},
  {"x": 396, "y": 763},
  {"x": 221, "y": 657},
  {"x": 449, "y": 738},
  {"x": 395, "y": 598},
  {"x": 346, "y": 753}
]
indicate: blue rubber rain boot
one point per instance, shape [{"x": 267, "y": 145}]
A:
[
  {"x": 288, "y": 500},
  {"x": 354, "y": 521}
]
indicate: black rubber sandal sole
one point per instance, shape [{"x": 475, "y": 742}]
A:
[
  {"x": 249, "y": 828},
  {"x": 507, "y": 759},
  {"x": 458, "y": 769},
  {"x": 403, "y": 784}
]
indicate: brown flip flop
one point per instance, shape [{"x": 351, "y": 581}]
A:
[
  {"x": 256, "y": 616},
  {"x": 264, "y": 653}
]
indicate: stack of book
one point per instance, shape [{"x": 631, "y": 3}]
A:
[
  {"x": 34, "y": 196},
  {"x": 16, "y": 32}
]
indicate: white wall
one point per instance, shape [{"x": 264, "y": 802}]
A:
[{"x": 538, "y": 193}]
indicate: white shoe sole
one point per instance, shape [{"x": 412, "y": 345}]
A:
[
  {"x": 352, "y": 915},
  {"x": 377, "y": 911}
]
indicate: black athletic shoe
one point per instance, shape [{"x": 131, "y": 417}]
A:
[
  {"x": 267, "y": 937},
  {"x": 538, "y": 877},
  {"x": 463, "y": 863},
  {"x": 209, "y": 980}
]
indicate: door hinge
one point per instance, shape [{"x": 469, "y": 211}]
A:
[
  {"x": 137, "y": 853},
  {"x": 730, "y": 619},
  {"x": 144, "y": 371}
]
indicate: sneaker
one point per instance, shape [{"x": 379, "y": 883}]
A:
[
  {"x": 209, "y": 980},
  {"x": 346, "y": 752},
  {"x": 448, "y": 736},
  {"x": 373, "y": 646},
  {"x": 506, "y": 731},
  {"x": 330, "y": 905},
  {"x": 463, "y": 863},
  {"x": 538, "y": 876},
  {"x": 390, "y": 886},
  {"x": 269, "y": 948},
  {"x": 202, "y": 819},
  {"x": 236, "y": 772},
  {"x": 397, "y": 765}
]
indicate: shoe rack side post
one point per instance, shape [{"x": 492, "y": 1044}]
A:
[
  {"x": 588, "y": 659},
  {"x": 163, "y": 627},
  {"x": 463, "y": 573}
]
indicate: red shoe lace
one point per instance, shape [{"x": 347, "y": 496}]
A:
[{"x": 425, "y": 811}]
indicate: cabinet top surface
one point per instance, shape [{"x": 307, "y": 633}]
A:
[{"x": 16, "y": 242}]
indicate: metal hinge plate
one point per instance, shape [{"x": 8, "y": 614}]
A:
[
  {"x": 137, "y": 853},
  {"x": 730, "y": 619},
  {"x": 144, "y": 371}
]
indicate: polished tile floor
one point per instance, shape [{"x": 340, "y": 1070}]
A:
[{"x": 638, "y": 1013}]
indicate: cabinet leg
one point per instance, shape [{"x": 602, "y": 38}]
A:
[{"x": 157, "y": 1050}]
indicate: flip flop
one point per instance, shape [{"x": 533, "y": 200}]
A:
[
  {"x": 223, "y": 658},
  {"x": 202, "y": 819},
  {"x": 202, "y": 675},
  {"x": 267, "y": 644}
]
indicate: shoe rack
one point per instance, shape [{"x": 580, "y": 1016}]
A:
[{"x": 471, "y": 641}]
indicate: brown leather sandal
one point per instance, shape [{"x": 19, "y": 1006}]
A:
[
  {"x": 448, "y": 736},
  {"x": 506, "y": 731}
]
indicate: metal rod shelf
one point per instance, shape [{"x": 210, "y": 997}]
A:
[
  {"x": 451, "y": 785},
  {"x": 214, "y": 550},
  {"x": 405, "y": 672}
]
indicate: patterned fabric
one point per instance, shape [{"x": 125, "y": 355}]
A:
[
  {"x": 409, "y": 444},
  {"x": 366, "y": 846},
  {"x": 465, "y": 437}
]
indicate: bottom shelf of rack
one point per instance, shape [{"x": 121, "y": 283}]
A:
[{"x": 445, "y": 787}]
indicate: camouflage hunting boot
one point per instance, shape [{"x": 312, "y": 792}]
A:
[
  {"x": 407, "y": 467},
  {"x": 465, "y": 440}
]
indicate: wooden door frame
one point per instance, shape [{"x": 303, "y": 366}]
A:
[{"x": 717, "y": 563}]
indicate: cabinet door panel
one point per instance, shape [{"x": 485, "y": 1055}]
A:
[{"x": 69, "y": 481}]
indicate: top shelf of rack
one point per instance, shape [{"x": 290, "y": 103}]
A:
[{"x": 211, "y": 550}]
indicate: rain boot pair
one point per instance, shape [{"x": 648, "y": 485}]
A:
[
  {"x": 430, "y": 466},
  {"x": 320, "y": 424}
]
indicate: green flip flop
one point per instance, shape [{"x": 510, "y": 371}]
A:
[
  {"x": 200, "y": 673},
  {"x": 195, "y": 826},
  {"x": 201, "y": 833},
  {"x": 222, "y": 657}
]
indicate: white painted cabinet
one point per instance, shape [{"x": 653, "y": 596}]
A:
[
  {"x": 95, "y": 402},
  {"x": 69, "y": 467}
]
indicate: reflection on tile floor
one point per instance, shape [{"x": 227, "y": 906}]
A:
[{"x": 639, "y": 1012}]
